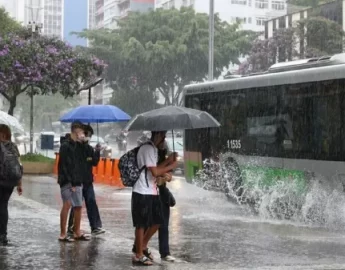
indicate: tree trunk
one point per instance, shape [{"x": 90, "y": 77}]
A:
[{"x": 13, "y": 103}]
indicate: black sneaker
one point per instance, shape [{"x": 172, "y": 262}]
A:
[{"x": 97, "y": 231}]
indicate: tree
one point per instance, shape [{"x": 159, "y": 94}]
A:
[
  {"x": 318, "y": 36},
  {"x": 135, "y": 101},
  {"x": 7, "y": 24},
  {"x": 43, "y": 65},
  {"x": 47, "y": 107},
  {"x": 166, "y": 49}
]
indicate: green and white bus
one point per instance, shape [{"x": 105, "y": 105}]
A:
[{"x": 286, "y": 123}]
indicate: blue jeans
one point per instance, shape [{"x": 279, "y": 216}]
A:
[
  {"x": 91, "y": 209},
  {"x": 163, "y": 233}
]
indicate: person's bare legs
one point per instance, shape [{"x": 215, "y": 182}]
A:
[
  {"x": 77, "y": 221},
  {"x": 139, "y": 239},
  {"x": 148, "y": 235},
  {"x": 63, "y": 218}
]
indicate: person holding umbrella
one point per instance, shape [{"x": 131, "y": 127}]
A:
[
  {"x": 146, "y": 205},
  {"x": 92, "y": 158}
]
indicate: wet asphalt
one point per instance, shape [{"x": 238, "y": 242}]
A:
[{"x": 206, "y": 232}]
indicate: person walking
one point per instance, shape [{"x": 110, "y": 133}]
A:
[
  {"x": 146, "y": 205},
  {"x": 91, "y": 159},
  {"x": 167, "y": 200},
  {"x": 70, "y": 179},
  {"x": 7, "y": 185}
]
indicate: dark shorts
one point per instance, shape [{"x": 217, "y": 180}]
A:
[{"x": 146, "y": 210}]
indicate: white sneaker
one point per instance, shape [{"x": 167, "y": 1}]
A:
[
  {"x": 98, "y": 231},
  {"x": 168, "y": 258}
]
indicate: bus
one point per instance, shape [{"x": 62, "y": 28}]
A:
[{"x": 285, "y": 124}]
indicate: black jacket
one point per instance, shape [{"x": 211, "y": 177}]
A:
[
  {"x": 92, "y": 158},
  {"x": 71, "y": 163}
]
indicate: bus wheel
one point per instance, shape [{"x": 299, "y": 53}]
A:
[{"x": 233, "y": 179}]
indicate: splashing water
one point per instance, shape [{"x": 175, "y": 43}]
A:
[{"x": 285, "y": 199}]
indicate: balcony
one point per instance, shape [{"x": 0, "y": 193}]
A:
[
  {"x": 120, "y": 2},
  {"x": 124, "y": 13}
]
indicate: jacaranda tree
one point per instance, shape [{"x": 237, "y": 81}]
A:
[{"x": 43, "y": 65}]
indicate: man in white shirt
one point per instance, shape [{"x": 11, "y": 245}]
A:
[{"x": 146, "y": 206}]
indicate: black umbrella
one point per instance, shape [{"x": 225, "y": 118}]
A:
[{"x": 172, "y": 117}]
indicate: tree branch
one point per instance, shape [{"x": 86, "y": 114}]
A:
[{"x": 5, "y": 96}]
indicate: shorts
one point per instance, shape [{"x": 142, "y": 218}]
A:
[
  {"x": 146, "y": 210},
  {"x": 76, "y": 198}
]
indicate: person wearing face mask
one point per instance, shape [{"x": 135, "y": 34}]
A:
[
  {"x": 91, "y": 158},
  {"x": 70, "y": 178}
]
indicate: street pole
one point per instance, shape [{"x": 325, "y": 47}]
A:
[
  {"x": 32, "y": 120},
  {"x": 89, "y": 102},
  {"x": 211, "y": 42}
]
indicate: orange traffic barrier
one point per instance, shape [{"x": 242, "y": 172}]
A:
[
  {"x": 56, "y": 164},
  {"x": 108, "y": 163},
  {"x": 116, "y": 175},
  {"x": 106, "y": 172},
  {"x": 100, "y": 171}
]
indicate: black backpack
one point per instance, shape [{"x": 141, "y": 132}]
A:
[
  {"x": 10, "y": 168},
  {"x": 129, "y": 169}
]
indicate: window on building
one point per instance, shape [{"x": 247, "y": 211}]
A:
[
  {"x": 278, "y": 5},
  {"x": 238, "y": 20},
  {"x": 262, "y": 4},
  {"x": 260, "y": 20},
  {"x": 239, "y": 2},
  {"x": 250, "y": 3},
  {"x": 249, "y": 20}
]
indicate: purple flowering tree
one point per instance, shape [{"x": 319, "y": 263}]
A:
[{"x": 43, "y": 65}]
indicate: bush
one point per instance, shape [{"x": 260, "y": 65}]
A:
[{"x": 36, "y": 158}]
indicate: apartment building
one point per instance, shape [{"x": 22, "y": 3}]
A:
[{"x": 251, "y": 13}]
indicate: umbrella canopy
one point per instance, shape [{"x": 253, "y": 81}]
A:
[
  {"x": 12, "y": 122},
  {"x": 95, "y": 114},
  {"x": 172, "y": 117}
]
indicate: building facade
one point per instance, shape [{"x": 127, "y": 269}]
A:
[
  {"x": 333, "y": 11},
  {"x": 251, "y": 13}
]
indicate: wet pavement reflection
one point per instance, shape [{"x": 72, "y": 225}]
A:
[{"x": 207, "y": 232}]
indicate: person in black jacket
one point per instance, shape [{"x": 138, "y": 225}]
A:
[
  {"x": 70, "y": 178},
  {"x": 167, "y": 200},
  {"x": 91, "y": 158}
]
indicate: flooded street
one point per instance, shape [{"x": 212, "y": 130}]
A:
[{"x": 206, "y": 232}]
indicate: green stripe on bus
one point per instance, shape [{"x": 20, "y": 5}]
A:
[{"x": 267, "y": 177}]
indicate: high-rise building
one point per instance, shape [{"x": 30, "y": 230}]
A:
[
  {"x": 108, "y": 12},
  {"x": 53, "y": 12},
  {"x": 251, "y": 13}
]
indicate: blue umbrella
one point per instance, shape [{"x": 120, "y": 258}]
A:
[{"x": 95, "y": 114}]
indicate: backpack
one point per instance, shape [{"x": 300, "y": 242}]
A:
[
  {"x": 10, "y": 168},
  {"x": 129, "y": 169}
]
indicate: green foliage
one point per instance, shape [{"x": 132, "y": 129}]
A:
[
  {"x": 7, "y": 24},
  {"x": 320, "y": 37},
  {"x": 36, "y": 158},
  {"x": 47, "y": 109},
  {"x": 164, "y": 50},
  {"x": 43, "y": 65}
]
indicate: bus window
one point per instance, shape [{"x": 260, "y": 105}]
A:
[{"x": 317, "y": 119}]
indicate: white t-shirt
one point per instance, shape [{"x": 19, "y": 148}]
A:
[{"x": 147, "y": 156}]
